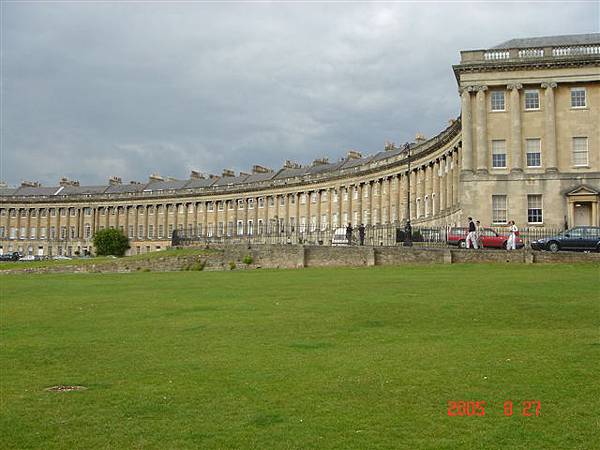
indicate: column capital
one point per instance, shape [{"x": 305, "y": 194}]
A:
[
  {"x": 549, "y": 85},
  {"x": 481, "y": 88},
  {"x": 465, "y": 89},
  {"x": 513, "y": 86}
]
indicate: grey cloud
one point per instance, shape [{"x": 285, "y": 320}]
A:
[{"x": 98, "y": 89}]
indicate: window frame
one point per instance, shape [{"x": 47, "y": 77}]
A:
[
  {"x": 579, "y": 89},
  {"x": 527, "y": 152},
  {"x": 530, "y": 91},
  {"x": 505, "y": 209},
  {"x": 493, "y": 103},
  {"x": 530, "y": 209},
  {"x": 503, "y": 141},
  {"x": 587, "y": 151}
]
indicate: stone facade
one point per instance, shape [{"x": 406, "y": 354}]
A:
[{"x": 526, "y": 148}]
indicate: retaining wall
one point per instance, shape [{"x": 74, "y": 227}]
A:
[{"x": 297, "y": 256}]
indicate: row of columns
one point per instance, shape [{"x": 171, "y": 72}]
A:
[
  {"x": 479, "y": 126},
  {"x": 433, "y": 189}
]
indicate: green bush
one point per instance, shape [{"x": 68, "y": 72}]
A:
[
  {"x": 195, "y": 266},
  {"x": 248, "y": 259},
  {"x": 232, "y": 265},
  {"x": 110, "y": 241}
]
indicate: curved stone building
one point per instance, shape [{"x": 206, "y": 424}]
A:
[{"x": 526, "y": 148}]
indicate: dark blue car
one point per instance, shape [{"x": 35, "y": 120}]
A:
[{"x": 577, "y": 238}]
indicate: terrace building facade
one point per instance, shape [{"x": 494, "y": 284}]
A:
[{"x": 526, "y": 148}]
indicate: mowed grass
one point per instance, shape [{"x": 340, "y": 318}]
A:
[{"x": 334, "y": 358}]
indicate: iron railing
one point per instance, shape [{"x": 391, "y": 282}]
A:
[{"x": 374, "y": 235}]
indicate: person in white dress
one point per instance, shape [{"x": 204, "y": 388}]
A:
[{"x": 511, "y": 244}]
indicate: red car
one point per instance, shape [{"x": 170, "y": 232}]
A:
[{"x": 489, "y": 238}]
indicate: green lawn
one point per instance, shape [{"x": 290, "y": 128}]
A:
[
  {"x": 23, "y": 265},
  {"x": 338, "y": 358}
]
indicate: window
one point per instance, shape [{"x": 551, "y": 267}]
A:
[
  {"x": 209, "y": 206},
  {"x": 161, "y": 231},
  {"x": 534, "y": 208},
  {"x": 497, "y": 100},
  {"x": 63, "y": 212},
  {"x": 281, "y": 200},
  {"x": 580, "y": 151},
  {"x": 140, "y": 231},
  {"x": 130, "y": 231},
  {"x": 271, "y": 201},
  {"x": 2, "y": 232},
  {"x": 499, "y": 209},
  {"x": 86, "y": 211},
  {"x": 293, "y": 199},
  {"x": 230, "y": 204},
  {"x": 532, "y": 100},
  {"x": 324, "y": 196},
  {"x": 87, "y": 230},
  {"x": 23, "y": 233},
  {"x": 578, "y": 98},
  {"x": 150, "y": 231},
  {"x": 313, "y": 197},
  {"x": 170, "y": 230},
  {"x": 250, "y": 203},
  {"x": 34, "y": 213},
  {"x": 302, "y": 199},
  {"x": 355, "y": 194},
  {"x": 71, "y": 232},
  {"x": 335, "y": 197},
  {"x": 345, "y": 195},
  {"x": 261, "y": 202},
  {"x": 323, "y": 222},
  {"x": 220, "y": 206},
  {"x": 534, "y": 155},
  {"x": 499, "y": 154},
  {"x": 240, "y": 203}
]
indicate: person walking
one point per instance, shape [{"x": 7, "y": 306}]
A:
[
  {"x": 511, "y": 244},
  {"x": 471, "y": 235},
  {"x": 361, "y": 234},
  {"x": 479, "y": 234},
  {"x": 349, "y": 233}
]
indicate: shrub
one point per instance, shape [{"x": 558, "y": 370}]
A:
[
  {"x": 196, "y": 266},
  {"x": 110, "y": 242},
  {"x": 248, "y": 259},
  {"x": 232, "y": 265}
]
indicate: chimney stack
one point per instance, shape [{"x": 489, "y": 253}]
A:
[
  {"x": 155, "y": 177},
  {"x": 320, "y": 161},
  {"x": 196, "y": 175},
  {"x": 260, "y": 169},
  {"x": 228, "y": 173},
  {"x": 354, "y": 154},
  {"x": 26, "y": 183},
  {"x": 419, "y": 138},
  {"x": 291, "y": 165},
  {"x": 114, "y": 180}
]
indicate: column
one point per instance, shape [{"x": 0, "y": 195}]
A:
[
  {"x": 106, "y": 217},
  {"x": 382, "y": 183},
  {"x": 449, "y": 180},
  {"x": 550, "y": 126},
  {"x": 136, "y": 219},
  {"x": 516, "y": 157},
  {"x": 205, "y": 218},
  {"x": 482, "y": 152},
  {"x": 318, "y": 212},
  {"x": 429, "y": 189},
  {"x": 185, "y": 217},
  {"x": 467, "y": 131},
  {"x": 340, "y": 206},
  {"x": 359, "y": 203},
  {"x": 145, "y": 234},
  {"x": 455, "y": 178},
  {"x": 419, "y": 194},
  {"x": 126, "y": 227},
  {"x": 401, "y": 207},
  {"x": 442, "y": 185},
  {"x": 390, "y": 200},
  {"x": 155, "y": 234},
  {"x": 435, "y": 188}
]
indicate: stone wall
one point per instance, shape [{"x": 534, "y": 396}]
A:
[{"x": 298, "y": 256}]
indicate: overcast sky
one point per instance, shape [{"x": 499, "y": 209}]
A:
[{"x": 95, "y": 89}]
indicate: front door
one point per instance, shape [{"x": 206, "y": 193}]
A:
[{"x": 583, "y": 214}]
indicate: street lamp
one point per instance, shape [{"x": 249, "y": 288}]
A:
[{"x": 407, "y": 226}]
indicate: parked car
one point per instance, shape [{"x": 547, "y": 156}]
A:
[
  {"x": 28, "y": 258},
  {"x": 14, "y": 256},
  {"x": 339, "y": 237},
  {"x": 489, "y": 238},
  {"x": 577, "y": 238}
]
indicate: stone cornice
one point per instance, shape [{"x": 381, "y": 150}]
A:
[{"x": 526, "y": 64}]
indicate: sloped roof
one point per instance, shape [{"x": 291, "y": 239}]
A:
[{"x": 551, "y": 41}]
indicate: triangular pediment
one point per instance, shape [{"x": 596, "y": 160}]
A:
[{"x": 582, "y": 190}]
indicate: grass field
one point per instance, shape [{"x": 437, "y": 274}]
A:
[{"x": 316, "y": 358}]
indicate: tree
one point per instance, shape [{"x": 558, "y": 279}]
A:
[{"x": 110, "y": 242}]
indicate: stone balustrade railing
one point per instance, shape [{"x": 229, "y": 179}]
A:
[{"x": 492, "y": 55}]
